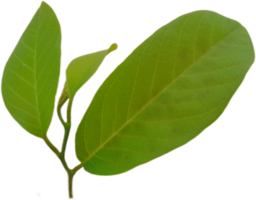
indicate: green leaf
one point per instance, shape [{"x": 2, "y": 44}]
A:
[
  {"x": 173, "y": 86},
  {"x": 31, "y": 74},
  {"x": 82, "y": 68}
]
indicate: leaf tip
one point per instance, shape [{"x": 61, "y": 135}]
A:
[{"x": 113, "y": 47}]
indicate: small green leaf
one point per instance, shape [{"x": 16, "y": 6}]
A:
[
  {"x": 82, "y": 68},
  {"x": 173, "y": 86},
  {"x": 31, "y": 74}
]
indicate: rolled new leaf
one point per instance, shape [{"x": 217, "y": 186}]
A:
[{"x": 81, "y": 69}]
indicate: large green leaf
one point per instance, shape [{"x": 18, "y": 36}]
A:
[
  {"x": 173, "y": 86},
  {"x": 31, "y": 74}
]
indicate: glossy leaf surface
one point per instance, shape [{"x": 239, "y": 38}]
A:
[
  {"x": 173, "y": 86},
  {"x": 31, "y": 74}
]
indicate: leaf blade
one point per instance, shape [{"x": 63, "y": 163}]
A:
[
  {"x": 83, "y": 67},
  {"x": 30, "y": 78},
  {"x": 179, "y": 81}
]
